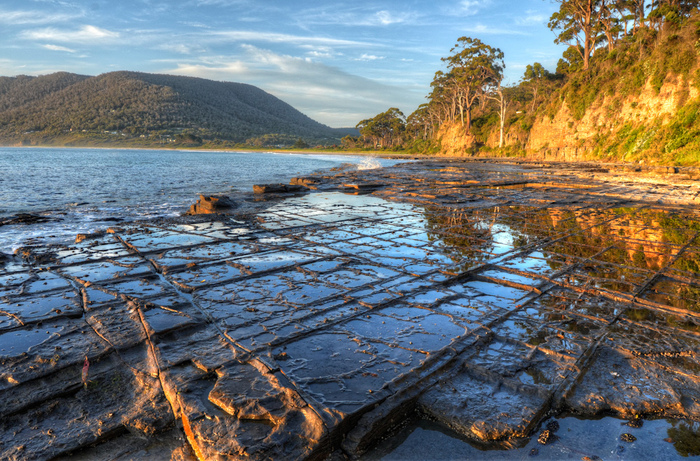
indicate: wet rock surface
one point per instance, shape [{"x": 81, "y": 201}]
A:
[
  {"x": 484, "y": 296},
  {"x": 211, "y": 204}
]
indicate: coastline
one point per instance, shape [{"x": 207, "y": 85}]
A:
[
  {"x": 352, "y": 307},
  {"x": 109, "y": 184}
]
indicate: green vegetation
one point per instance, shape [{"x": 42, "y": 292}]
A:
[
  {"x": 619, "y": 54},
  {"x": 137, "y": 109}
]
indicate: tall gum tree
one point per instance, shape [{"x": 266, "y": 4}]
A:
[
  {"x": 577, "y": 22},
  {"x": 473, "y": 68}
]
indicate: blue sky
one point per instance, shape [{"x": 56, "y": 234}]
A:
[{"x": 337, "y": 61}]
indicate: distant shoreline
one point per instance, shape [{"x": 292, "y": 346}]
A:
[{"x": 244, "y": 150}]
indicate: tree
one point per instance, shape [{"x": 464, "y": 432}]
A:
[
  {"x": 300, "y": 144},
  {"x": 570, "y": 61},
  {"x": 666, "y": 13},
  {"x": 630, "y": 10},
  {"x": 385, "y": 129},
  {"x": 535, "y": 77},
  {"x": 610, "y": 22},
  {"x": 472, "y": 68},
  {"x": 497, "y": 95},
  {"x": 578, "y": 23},
  {"x": 420, "y": 122}
]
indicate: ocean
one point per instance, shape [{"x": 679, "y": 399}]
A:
[{"x": 85, "y": 190}]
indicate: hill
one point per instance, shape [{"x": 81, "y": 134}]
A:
[{"x": 123, "y": 107}]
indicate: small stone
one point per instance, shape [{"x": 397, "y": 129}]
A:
[
  {"x": 629, "y": 438},
  {"x": 546, "y": 437},
  {"x": 553, "y": 426},
  {"x": 534, "y": 452},
  {"x": 635, "y": 423}
]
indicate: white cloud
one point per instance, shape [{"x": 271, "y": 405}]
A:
[
  {"x": 370, "y": 57},
  {"x": 322, "y": 92},
  {"x": 532, "y": 18},
  {"x": 386, "y": 18},
  {"x": 58, "y": 48},
  {"x": 180, "y": 48},
  {"x": 274, "y": 37},
  {"x": 34, "y": 17},
  {"x": 472, "y": 7},
  {"x": 85, "y": 34},
  {"x": 354, "y": 16},
  {"x": 321, "y": 52},
  {"x": 483, "y": 29},
  {"x": 220, "y": 2}
]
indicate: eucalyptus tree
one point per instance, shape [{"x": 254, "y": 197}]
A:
[
  {"x": 630, "y": 11},
  {"x": 610, "y": 22},
  {"x": 578, "y": 24},
  {"x": 666, "y": 13},
  {"x": 442, "y": 97},
  {"x": 536, "y": 78},
  {"x": 385, "y": 129},
  {"x": 420, "y": 123},
  {"x": 473, "y": 69}
]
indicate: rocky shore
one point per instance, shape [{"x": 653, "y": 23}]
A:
[{"x": 310, "y": 321}]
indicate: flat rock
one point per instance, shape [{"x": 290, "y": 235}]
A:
[
  {"x": 278, "y": 188},
  {"x": 485, "y": 296}
]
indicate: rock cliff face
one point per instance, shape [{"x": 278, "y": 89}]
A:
[
  {"x": 565, "y": 138},
  {"x": 455, "y": 141}
]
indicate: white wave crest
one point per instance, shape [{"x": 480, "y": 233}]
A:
[{"x": 369, "y": 163}]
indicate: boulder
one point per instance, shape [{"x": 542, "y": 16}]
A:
[{"x": 211, "y": 204}]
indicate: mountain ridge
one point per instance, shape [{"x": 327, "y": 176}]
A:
[{"x": 66, "y": 108}]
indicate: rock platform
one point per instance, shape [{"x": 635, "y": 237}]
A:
[{"x": 483, "y": 296}]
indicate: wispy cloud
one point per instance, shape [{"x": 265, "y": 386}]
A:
[
  {"x": 181, "y": 48},
  {"x": 386, "y": 18},
  {"x": 58, "y": 48},
  {"x": 274, "y": 37},
  {"x": 354, "y": 16},
  {"x": 321, "y": 52},
  {"x": 472, "y": 7},
  {"x": 85, "y": 34},
  {"x": 320, "y": 91},
  {"x": 532, "y": 18},
  {"x": 220, "y": 2},
  {"x": 483, "y": 29},
  {"x": 35, "y": 17},
  {"x": 370, "y": 57}
]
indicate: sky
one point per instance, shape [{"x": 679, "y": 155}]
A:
[{"x": 338, "y": 62}]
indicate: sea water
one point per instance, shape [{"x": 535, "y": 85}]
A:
[{"x": 84, "y": 190}]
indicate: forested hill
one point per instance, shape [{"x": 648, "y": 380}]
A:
[{"x": 64, "y": 108}]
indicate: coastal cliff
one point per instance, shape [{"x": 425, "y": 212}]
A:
[
  {"x": 618, "y": 128},
  {"x": 637, "y": 103}
]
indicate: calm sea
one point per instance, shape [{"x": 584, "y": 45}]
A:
[{"x": 83, "y": 190}]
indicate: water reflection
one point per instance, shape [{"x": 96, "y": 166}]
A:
[
  {"x": 620, "y": 250},
  {"x": 685, "y": 437},
  {"x": 602, "y": 438}
]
